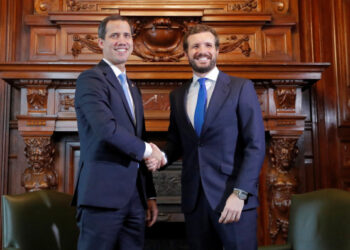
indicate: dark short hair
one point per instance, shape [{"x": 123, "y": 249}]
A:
[
  {"x": 200, "y": 28},
  {"x": 102, "y": 27}
]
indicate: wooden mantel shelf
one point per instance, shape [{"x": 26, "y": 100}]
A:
[{"x": 71, "y": 70}]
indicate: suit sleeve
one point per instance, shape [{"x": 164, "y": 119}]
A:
[
  {"x": 252, "y": 134},
  {"x": 91, "y": 98}
]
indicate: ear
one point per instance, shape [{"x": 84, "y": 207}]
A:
[{"x": 100, "y": 43}]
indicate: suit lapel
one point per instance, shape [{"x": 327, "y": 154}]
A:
[
  {"x": 113, "y": 80},
  {"x": 218, "y": 98}
]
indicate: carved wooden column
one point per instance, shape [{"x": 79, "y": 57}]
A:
[
  {"x": 36, "y": 125},
  {"x": 282, "y": 183},
  {"x": 285, "y": 131}
]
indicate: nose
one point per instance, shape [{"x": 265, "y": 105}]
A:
[{"x": 202, "y": 49}]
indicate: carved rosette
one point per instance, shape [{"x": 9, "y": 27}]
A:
[
  {"x": 37, "y": 100},
  {"x": 285, "y": 98},
  {"x": 40, "y": 174},
  {"x": 246, "y": 6},
  {"x": 281, "y": 184},
  {"x": 233, "y": 43},
  {"x": 88, "y": 41},
  {"x": 280, "y": 6},
  {"x": 45, "y": 6}
]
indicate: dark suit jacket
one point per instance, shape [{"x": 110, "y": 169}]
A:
[
  {"x": 111, "y": 145},
  {"x": 230, "y": 150}
]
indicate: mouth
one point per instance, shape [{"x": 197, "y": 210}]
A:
[
  {"x": 203, "y": 58},
  {"x": 121, "y": 50}
]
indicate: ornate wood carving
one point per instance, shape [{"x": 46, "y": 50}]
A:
[
  {"x": 44, "y": 6},
  {"x": 233, "y": 43},
  {"x": 88, "y": 42},
  {"x": 167, "y": 183},
  {"x": 247, "y": 6},
  {"x": 159, "y": 39},
  {"x": 37, "y": 100},
  {"x": 40, "y": 174},
  {"x": 281, "y": 182},
  {"x": 76, "y": 5},
  {"x": 280, "y": 6},
  {"x": 147, "y": 44},
  {"x": 285, "y": 98},
  {"x": 66, "y": 102}
]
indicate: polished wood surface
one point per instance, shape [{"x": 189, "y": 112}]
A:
[{"x": 295, "y": 51}]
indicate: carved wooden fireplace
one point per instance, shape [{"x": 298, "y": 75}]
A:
[{"x": 258, "y": 41}]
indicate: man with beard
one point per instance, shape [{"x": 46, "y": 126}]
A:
[
  {"x": 217, "y": 127},
  {"x": 114, "y": 188}
]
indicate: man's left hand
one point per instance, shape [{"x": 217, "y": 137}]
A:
[
  {"x": 152, "y": 212},
  {"x": 232, "y": 210}
]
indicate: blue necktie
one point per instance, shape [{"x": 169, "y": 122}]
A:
[
  {"x": 122, "y": 79},
  {"x": 201, "y": 106}
]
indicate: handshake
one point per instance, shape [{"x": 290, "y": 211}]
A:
[{"x": 156, "y": 160}]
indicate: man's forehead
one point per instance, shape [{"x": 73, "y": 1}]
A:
[
  {"x": 202, "y": 37},
  {"x": 113, "y": 24}
]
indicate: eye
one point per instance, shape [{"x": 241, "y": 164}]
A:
[{"x": 127, "y": 35}]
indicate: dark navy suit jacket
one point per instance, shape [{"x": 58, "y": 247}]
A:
[
  {"x": 230, "y": 150},
  {"x": 111, "y": 143}
]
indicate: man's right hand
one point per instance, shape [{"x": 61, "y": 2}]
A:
[{"x": 156, "y": 159}]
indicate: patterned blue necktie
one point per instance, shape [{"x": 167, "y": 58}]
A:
[
  {"x": 201, "y": 106},
  {"x": 122, "y": 79}
]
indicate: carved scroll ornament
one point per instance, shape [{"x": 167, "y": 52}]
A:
[
  {"x": 89, "y": 42},
  {"x": 281, "y": 183},
  {"x": 234, "y": 43},
  {"x": 247, "y": 6},
  {"x": 40, "y": 155},
  {"x": 75, "y": 5}
]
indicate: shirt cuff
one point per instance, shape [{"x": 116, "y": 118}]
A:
[
  {"x": 148, "y": 150},
  {"x": 165, "y": 158}
]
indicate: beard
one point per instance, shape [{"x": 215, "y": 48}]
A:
[{"x": 204, "y": 69}]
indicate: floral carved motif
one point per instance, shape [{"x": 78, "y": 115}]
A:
[
  {"x": 281, "y": 183},
  {"x": 85, "y": 42},
  {"x": 66, "y": 102},
  {"x": 285, "y": 98},
  {"x": 75, "y": 5},
  {"x": 247, "y": 6},
  {"x": 40, "y": 155},
  {"x": 37, "y": 100},
  {"x": 234, "y": 43}
]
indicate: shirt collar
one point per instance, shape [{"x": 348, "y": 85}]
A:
[
  {"x": 115, "y": 69},
  {"x": 212, "y": 75}
]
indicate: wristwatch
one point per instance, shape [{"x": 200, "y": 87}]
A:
[{"x": 242, "y": 195}]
